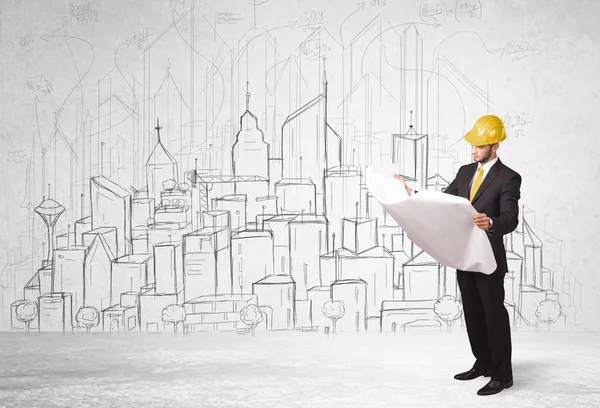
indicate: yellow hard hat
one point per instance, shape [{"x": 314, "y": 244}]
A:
[{"x": 487, "y": 129}]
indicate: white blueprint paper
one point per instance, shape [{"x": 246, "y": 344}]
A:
[{"x": 439, "y": 223}]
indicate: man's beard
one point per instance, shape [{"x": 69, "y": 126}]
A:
[{"x": 486, "y": 157}]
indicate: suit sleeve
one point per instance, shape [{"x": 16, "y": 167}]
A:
[
  {"x": 508, "y": 219},
  {"x": 453, "y": 187}
]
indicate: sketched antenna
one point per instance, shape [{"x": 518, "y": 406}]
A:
[
  {"x": 325, "y": 110},
  {"x": 335, "y": 258},
  {"x": 195, "y": 176},
  {"x": 324, "y": 77},
  {"x": 247, "y": 101},
  {"x": 247, "y": 95},
  {"x": 158, "y": 128},
  {"x": 102, "y": 158},
  {"x": 50, "y": 211}
]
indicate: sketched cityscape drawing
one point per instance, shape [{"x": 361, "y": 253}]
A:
[{"x": 221, "y": 186}]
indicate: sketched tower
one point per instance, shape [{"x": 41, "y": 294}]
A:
[
  {"x": 411, "y": 154},
  {"x": 410, "y": 150},
  {"x": 412, "y": 78},
  {"x": 50, "y": 211},
  {"x": 304, "y": 141},
  {"x": 160, "y": 166},
  {"x": 250, "y": 152}
]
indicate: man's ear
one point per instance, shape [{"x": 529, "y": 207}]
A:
[{"x": 495, "y": 146}]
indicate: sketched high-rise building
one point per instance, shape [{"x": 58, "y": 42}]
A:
[
  {"x": 411, "y": 154},
  {"x": 278, "y": 292},
  {"x": 82, "y": 226},
  {"x": 69, "y": 273},
  {"x": 318, "y": 296},
  {"x": 129, "y": 273},
  {"x": 207, "y": 263},
  {"x": 168, "y": 268},
  {"x": 307, "y": 242},
  {"x": 109, "y": 236},
  {"x": 111, "y": 207},
  {"x": 296, "y": 196},
  {"x": 353, "y": 293},
  {"x": 424, "y": 278},
  {"x": 250, "y": 152},
  {"x": 375, "y": 267},
  {"x": 309, "y": 145},
  {"x": 98, "y": 269},
  {"x": 236, "y": 205},
  {"x": 55, "y": 312},
  {"x": 247, "y": 267},
  {"x": 412, "y": 78},
  {"x": 410, "y": 150},
  {"x": 342, "y": 196},
  {"x": 160, "y": 166}
]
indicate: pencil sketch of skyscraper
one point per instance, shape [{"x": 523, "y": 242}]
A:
[{"x": 250, "y": 153}]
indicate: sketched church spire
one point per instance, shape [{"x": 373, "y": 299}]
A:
[
  {"x": 250, "y": 152},
  {"x": 160, "y": 166}
]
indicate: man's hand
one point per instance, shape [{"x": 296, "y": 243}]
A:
[
  {"x": 399, "y": 177},
  {"x": 482, "y": 221}
]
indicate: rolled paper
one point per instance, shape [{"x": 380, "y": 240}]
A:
[{"x": 441, "y": 224}]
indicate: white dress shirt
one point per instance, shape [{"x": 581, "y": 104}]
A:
[{"x": 486, "y": 169}]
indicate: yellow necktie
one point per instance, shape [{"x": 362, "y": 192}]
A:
[{"x": 476, "y": 183}]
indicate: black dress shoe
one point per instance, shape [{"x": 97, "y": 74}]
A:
[
  {"x": 472, "y": 373},
  {"x": 494, "y": 387}
]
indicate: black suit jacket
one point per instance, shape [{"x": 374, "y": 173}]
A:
[{"x": 497, "y": 197}]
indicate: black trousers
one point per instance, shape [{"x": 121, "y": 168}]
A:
[{"x": 487, "y": 321}]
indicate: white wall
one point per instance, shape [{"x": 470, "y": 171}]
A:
[{"x": 60, "y": 61}]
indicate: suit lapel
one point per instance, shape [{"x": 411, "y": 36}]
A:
[{"x": 493, "y": 172}]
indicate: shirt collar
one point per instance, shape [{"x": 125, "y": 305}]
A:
[{"x": 488, "y": 165}]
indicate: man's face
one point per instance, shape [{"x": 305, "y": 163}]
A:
[{"x": 482, "y": 154}]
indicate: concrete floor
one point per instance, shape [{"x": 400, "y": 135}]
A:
[{"x": 289, "y": 369}]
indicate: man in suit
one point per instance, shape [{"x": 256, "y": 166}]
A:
[{"x": 494, "y": 191}]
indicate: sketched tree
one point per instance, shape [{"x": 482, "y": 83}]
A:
[
  {"x": 173, "y": 314},
  {"x": 548, "y": 311},
  {"x": 448, "y": 309},
  {"x": 169, "y": 185},
  {"x": 26, "y": 311},
  {"x": 251, "y": 315},
  {"x": 334, "y": 310},
  {"x": 183, "y": 187},
  {"x": 88, "y": 316}
]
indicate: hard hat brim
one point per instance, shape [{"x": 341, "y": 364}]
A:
[{"x": 474, "y": 140}]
